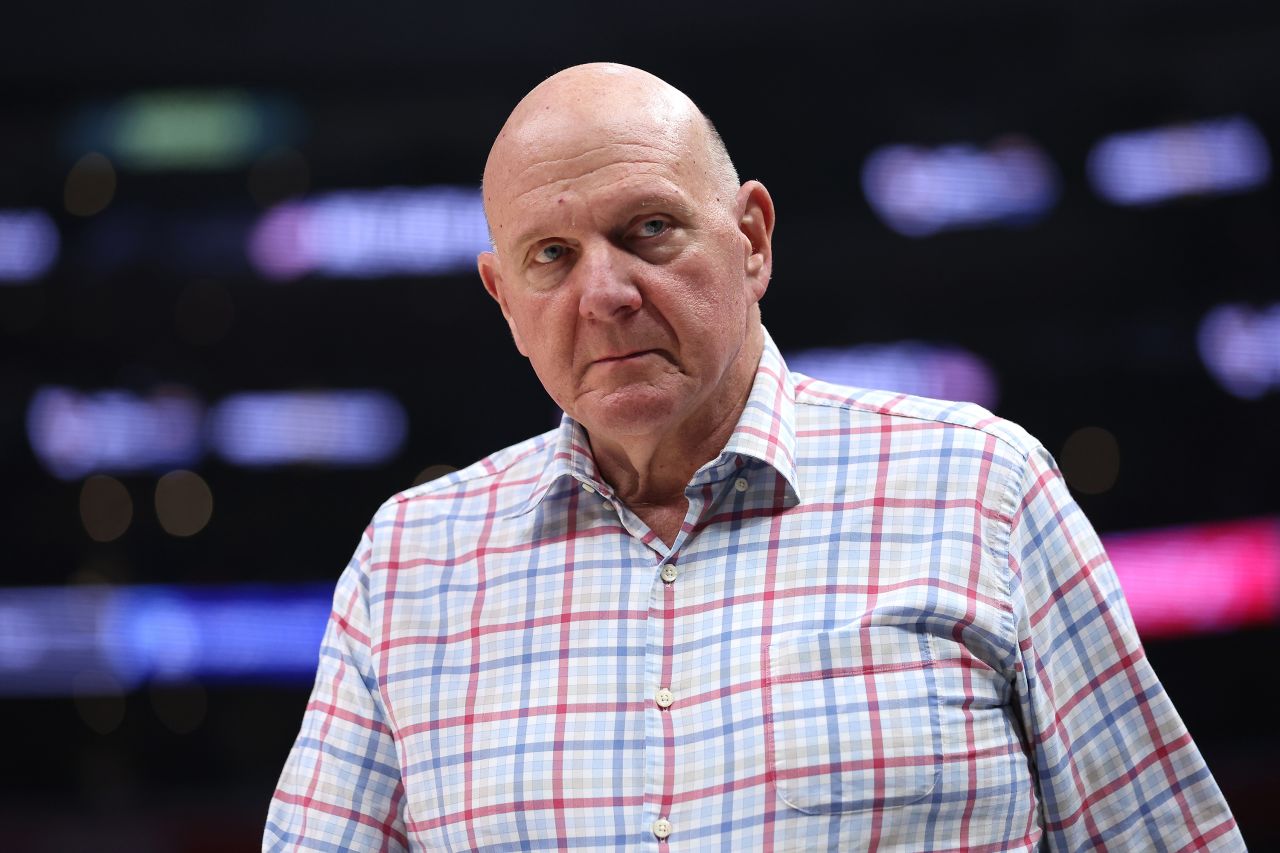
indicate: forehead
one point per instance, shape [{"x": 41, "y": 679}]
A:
[{"x": 561, "y": 159}]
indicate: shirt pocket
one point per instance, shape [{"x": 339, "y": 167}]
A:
[{"x": 854, "y": 718}]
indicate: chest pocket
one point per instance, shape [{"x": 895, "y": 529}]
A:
[{"x": 854, "y": 718}]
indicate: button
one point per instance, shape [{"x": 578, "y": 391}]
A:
[
  {"x": 664, "y": 698},
  {"x": 740, "y": 484},
  {"x": 669, "y": 573},
  {"x": 609, "y": 505},
  {"x": 662, "y": 827},
  {"x": 587, "y": 487}
]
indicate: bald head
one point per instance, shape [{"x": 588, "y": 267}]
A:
[{"x": 598, "y": 105}]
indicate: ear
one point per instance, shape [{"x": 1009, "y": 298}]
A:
[
  {"x": 755, "y": 221},
  {"x": 491, "y": 275}
]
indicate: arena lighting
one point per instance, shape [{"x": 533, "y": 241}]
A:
[
  {"x": 333, "y": 427},
  {"x": 1240, "y": 347},
  {"x": 919, "y": 191},
  {"x": 1194, "y": 579},
  {"x": 51, "y": 638},
  {"x": 183, "y": 129},
  {"x": 371, "y": 233},
  {"x": 28, "y": 245},
  {"x": 75, "y": 433},
  {"x": 909, "y": 367},
  {"x": 1226, "y": 155},
  {"x": 1178, "y": 581}
]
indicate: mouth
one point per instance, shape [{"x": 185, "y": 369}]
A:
[{"x": 624, "y": 357}]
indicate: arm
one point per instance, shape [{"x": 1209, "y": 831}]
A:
[
  {"x": 341, "y": 786},
  {"x": 1116, "y": 767}
]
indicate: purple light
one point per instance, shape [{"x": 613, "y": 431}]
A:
[
  {"x": 920, "y": 191},
  {"x": 28, "y": 244},
  {"x": 333, "y": 427},
  {"x": 909, "y": 367},
  {"x": 1225, "y": 155},
  {"x": 1240, "y": 347},
  {"x": 74, "y": 433},
  {"x": 372, "y": 233},
  {"x": 1208, "y": 577}
]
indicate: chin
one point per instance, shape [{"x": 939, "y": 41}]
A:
[{"x": 631, "y": 412}]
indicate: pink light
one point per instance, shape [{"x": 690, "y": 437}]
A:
[{"x": 1207, "y": 577}]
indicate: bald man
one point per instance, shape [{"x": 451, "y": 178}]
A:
[{"x": 723, "y": 605}]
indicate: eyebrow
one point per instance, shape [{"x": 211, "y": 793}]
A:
[{"x": 647, "y": 201}]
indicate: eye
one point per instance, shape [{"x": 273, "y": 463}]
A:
[
  {"x": 653, "y": 227},
  {"x": 549, "y": 253}
]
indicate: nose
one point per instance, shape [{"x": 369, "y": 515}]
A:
[{"x": 607, "y": 290}]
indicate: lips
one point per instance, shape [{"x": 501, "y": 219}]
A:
[{"x": 626, "y": 356}]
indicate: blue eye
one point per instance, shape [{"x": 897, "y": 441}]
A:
[
  {"x": 549, "y": 253},
  {"x": 653, "y": 227}
]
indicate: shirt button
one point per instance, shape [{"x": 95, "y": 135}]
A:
[
  {"x": 664, "y": 698},
  {"x": 740, "y": 484},
  {"x": 662, "y": 827},
  {"x": 609, "y": 505},
  {"x": 669, "y": 573},
  {"x": 587, "y": 487}
]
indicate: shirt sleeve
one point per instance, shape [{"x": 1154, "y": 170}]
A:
[
  {"x": 1115, "y": 765},
  {"x": 341, "y": 788}
]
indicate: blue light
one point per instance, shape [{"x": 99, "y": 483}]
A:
[
  {"x": 50, "y": 637},
  {"x": 1240, "y": 347},
  {"x": 920, "y": 191},
  {"x": 372, "y": 233},
  {"x": 908, "y": 367},
  {"x": 333, "y": 427},
  {"x": 1225, "y": 155},
  {"x": 28, "y": 244},
  {"x": 77, "y": 433},
  {"x": 74, "y": 433}
]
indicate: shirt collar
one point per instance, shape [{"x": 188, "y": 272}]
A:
[{"x": 765, "y": 432}]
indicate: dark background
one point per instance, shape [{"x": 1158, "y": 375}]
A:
[{"x": 1088, "y": 316}]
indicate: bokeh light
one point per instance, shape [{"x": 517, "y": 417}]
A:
[
  {"x": 29, "y": 243},
  {"x": 920, "y": 191},
  {"x": 433, "y": 472},
  {"x": 1090, "y": 460},
  {"x": 184, "y": 503},
  {"x": 106, "y": 510},
  {"x": 90, "y": 185}
]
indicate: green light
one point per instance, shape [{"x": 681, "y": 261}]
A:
[{"x": 184, "y": 129}]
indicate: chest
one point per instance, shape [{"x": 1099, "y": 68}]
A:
[{"x": 590, "y": 669}]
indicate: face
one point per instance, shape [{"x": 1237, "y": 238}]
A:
[{"x": 628, "y": 280}]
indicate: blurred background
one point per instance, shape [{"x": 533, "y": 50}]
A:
[{"x": 238, "y": 309}]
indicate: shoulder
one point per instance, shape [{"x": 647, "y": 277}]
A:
[
  {"x": 866, "y": 409},
  {"x": 496, "y": 484}
]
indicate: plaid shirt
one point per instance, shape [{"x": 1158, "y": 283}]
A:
[{"x": 884, "y": 625}]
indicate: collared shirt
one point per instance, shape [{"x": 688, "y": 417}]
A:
[{"x": 883, "y": 625}]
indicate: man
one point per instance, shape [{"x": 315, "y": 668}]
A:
[{"x": 723, "y": 606}]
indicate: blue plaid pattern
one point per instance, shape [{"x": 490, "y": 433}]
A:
[{"x": 884, "y": 625}]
